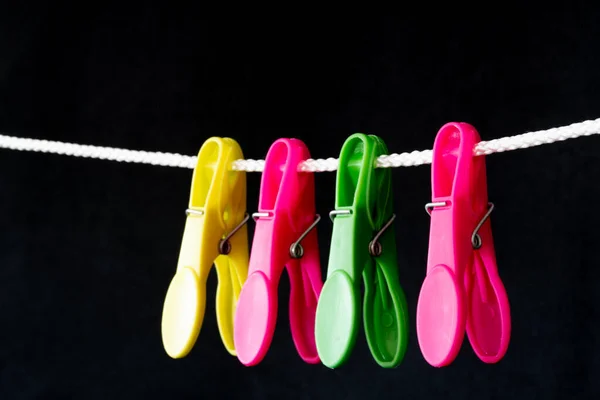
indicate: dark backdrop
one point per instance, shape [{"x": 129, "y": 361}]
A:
[{"x": 88, "y": 247}]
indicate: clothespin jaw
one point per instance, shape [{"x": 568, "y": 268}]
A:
[
  {"x": 362, "y": 244},
  {"x": 462, "y": 289},
  {"x": 284, "y": 236},
  {"x": 215, "y": 232}
]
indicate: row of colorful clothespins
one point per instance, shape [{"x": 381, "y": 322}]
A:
[{"x": 462, "y": 290}]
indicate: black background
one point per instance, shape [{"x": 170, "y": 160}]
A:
[{"x": 88, "y": 247}]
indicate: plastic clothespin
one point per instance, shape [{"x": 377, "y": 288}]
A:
[
  {"x": 215, "y": 232},
  {"x": 285, "y": 236},
  {"x": 462, "y": 289},
  {"x": 363, "y": 243}
]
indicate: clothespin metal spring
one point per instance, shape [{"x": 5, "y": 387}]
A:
[{"x": 475, "y": 238}]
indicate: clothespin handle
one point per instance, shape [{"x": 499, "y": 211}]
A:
[
  {"x": 385, "y": 309},
  {"x": 305, "y": 287},
  {"x": 232, "y": 272},
  {"x": 489, "y": 321}
]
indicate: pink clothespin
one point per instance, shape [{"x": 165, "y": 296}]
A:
[
  {"x": 284, "y": 237},
  {"x": 462, "y": 289}
]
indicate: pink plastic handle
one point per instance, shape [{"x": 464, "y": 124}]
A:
[
  {"x": 287, "y": 207},
  {"x": 441, "y": 310},
  {"x": 488, "y": 322},
  {"x": 305, "y": 286}
]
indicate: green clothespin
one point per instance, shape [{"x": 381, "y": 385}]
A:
[{"x": 363, "y": 242}]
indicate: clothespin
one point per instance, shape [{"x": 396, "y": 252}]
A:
[
  {"x": 462, "y": 288},
  {"x": 363, "y": 243},
  {"x": 285, "y": 236},
  {"x": 215, "y": 232}
]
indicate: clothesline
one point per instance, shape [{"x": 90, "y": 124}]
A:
[{"x": 407, "y": 159}]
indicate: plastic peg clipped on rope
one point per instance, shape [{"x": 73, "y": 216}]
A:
[
  {"x": 285, "y": 236},
  {"x": 215, "y": 232},
  {"x": 362, "y": 245},
  {"x": 462, "y": 289}
]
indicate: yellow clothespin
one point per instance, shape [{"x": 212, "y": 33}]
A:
[{"x": 215, "y": 231}]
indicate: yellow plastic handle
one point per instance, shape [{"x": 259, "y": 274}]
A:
[{"x": 217, "y": 206}]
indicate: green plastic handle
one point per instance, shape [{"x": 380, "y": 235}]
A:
[
  {"x": 364, "y": 202},
  {"x": 385, "y": 309}
]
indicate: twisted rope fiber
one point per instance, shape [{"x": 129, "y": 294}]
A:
[
  {"x": 408, "y": 159},
  {"x": 98, "y": 152}
]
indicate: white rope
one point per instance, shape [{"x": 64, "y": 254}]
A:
[
  {"x": 101, "y": 153},
  {"x": 523, "y": 141}
]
